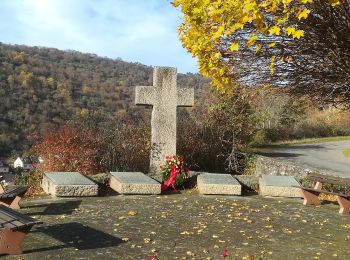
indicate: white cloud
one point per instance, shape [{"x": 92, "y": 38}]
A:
[{"x": 134, "y": 30}]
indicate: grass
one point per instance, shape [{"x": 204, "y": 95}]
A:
[
  {"x": 310, "y": 141},
  {"x": 346, "y": 152}
]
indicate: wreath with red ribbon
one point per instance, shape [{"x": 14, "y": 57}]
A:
[{"x": 174, "y": 172}]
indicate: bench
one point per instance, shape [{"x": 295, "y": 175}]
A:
[
  {"x": 15, "y": 228},
  {"x": 311, "y": 194},
  {"x": 11, "y": 197}
]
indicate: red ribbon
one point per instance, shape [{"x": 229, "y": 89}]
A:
[{"x": 172, "y": 179}]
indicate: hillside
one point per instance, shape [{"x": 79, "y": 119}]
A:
[{"x": 41, "y": 87}]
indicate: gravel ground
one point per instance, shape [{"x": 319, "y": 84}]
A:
[{"x": 184, "y": 226}]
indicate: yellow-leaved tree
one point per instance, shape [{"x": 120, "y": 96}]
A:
[{"x": 215, "y": 31}]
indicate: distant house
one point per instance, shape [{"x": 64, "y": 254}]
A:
[
  {"x": 4, "y": 168},
  {"x": 25, "y": 163},
  {"x": 18, "y": 163}
]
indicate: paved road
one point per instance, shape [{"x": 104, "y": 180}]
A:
[{"x": 325, "y": 156}]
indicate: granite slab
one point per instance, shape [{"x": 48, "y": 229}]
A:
[
  {"x": 220, "y": 184},
  {"x": 279, "y": 186},
  {"x": 68, "y": 184},
  {"x": 134, "y": 183}
]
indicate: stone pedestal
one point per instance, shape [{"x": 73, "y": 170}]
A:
[
  {"x": 220, "y": 184},
  {"x": 68, "y": 184},
  {"x": 279, "y": 186},
  {"x": 134, "y": 183}
]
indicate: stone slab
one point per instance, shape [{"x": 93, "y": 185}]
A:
[
  {"x": 134, "y": 183},
  {"x": 279, "y": 186},
  {"x": 68, "y": 184},
  {"x": 218, "y": 184}
]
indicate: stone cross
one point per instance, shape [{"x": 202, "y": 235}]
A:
[{"x": 165, "y": 97}]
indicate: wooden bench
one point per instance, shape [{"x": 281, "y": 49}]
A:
[
  {"x": 311, "y": 194},
  {"x": 15, "y": 228},
  {"x": 12, "y": 197}
]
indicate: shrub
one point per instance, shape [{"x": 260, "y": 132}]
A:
[{"x": 69, "y": 149}]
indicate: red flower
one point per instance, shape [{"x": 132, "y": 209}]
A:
[
  {"x": 224, "y": 253},
  {"x": 174, "y": 156},
  {"x": 181, "y": 158},
  {"x": 167, "y": 157},
  {"x": 161, "y": 167}
]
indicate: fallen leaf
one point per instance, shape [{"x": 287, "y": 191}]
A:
[{"x": 132, "y": 213}]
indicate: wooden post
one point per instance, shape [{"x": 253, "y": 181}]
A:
[
  {"x": 344, "y": 204},
  {"x": 11, "y": 241},
  {"x": 310, "y": 198},
  {"x": 318, "y": 186}
]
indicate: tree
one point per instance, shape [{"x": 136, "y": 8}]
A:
[
  {"x": 69, "y": 149},
  {"x": 237, "y": 39}
]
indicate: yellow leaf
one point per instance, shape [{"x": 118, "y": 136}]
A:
[
  {"x": 236, "y": 26},
  {"x": 272, "y": 65},
  {"x": 247, "y": 19},
  {"x": 298, "y": 34},
  {"x": 275, "y": 30},
  {"x": 132, "y": 213},
  {"x": 272, "y": 44},
  {"x": 303, "y": 14},
  {"x": 219, "y": 32},
  {"x": 234, "y": 46},
  {"x": 125, "y": 239},
  {"x": 306, "y": 1},
  {"x": 217, "y": 55},
  {"x": 251, "y": 40},
  {"x": 290, "y": 30},
  {"x": 258, "y": 47},
  {"x": 334, "y": 2}
]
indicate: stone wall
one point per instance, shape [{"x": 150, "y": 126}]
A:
[{"x": 272, "y": 166}]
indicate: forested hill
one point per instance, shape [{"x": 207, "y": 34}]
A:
[{"x": 45, "y": 86}]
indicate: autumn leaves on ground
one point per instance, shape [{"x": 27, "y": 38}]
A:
[{"x": 185, "y": 226}]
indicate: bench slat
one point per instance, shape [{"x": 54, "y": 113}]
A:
[
  {"x": 9, "y": 221},
  {"x": 13, "y": 193},
  {"x": 328, "y": 179},
  {"x": 13, "y": 219},
  {"x": 325, "y": 192}
]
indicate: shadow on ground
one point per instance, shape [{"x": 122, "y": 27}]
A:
[
  {"x": 77, "y": 236},
  {"x": 279, "y": 154},
  {"x": 66, "y": 208}
]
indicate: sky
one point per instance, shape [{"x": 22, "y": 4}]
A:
[{"x": 134, "y": 30}]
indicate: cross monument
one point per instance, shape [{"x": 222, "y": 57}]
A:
[{"x": 165, "y": 97}]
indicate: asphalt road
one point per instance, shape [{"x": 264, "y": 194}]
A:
[{"x": 325, "y": 156}]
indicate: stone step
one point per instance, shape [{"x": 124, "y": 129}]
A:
[
  {"x": 68, "y": 184},
  {"x": 279, "y": 186},
  {"x": 218, "y": 184},
  {"x": 134, "y": 183}
]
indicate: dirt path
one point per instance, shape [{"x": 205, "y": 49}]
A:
[{"x": 325, "y": 156}]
